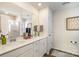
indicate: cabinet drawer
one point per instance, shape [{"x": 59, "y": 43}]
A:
[
  {"x": 18, "y": 51},
  {"x": 43, "y": 46},
  {"x": 37, "y": 49}
]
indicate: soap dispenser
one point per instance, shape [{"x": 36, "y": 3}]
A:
[{"x": 3, "y": 39}]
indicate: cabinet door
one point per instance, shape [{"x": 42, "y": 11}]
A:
[
  {"x": 43, "y": 44},
  {"x": 37, "y": 49},
  {"x": 18, "y": 51},
  {"x": 28, "y": 53},
  {"x": 49, "y": 43}
]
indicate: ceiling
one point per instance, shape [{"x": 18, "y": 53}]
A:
[
  {"x": 10, "y": 8},
  {"x": 46, "y": 4},
  {"x": 54, "y": 5}
]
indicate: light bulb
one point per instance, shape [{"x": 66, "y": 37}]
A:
[{"x": 39, "y": 4}]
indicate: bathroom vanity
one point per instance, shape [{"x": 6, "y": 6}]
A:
[
  {"x": 34, "y": 47},
  {"x": 15, "y": 23}
]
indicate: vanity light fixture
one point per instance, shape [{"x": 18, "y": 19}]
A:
[{"x": 39, "y": 4}]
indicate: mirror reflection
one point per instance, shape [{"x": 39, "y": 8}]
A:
[{"x": 14, "y": 22}]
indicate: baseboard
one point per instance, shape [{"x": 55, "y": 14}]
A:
[{"x": 64, "y": 52}]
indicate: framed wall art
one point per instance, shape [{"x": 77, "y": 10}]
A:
[{"x": 72, "y": 23}]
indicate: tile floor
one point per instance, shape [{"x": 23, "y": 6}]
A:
[{"x": 61, "y": 54}]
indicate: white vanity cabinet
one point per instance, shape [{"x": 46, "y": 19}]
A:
[
  {"x": 43, "y": 46},
  {"x": 19, "y": 51},
  {"x": 40, "y": 47},
  {"x": 28, "y": 53},
  {"x": 35, "y": 49}
]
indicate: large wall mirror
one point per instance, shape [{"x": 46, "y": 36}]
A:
[
  {"x": 14, "y": 21},
  {"x": 26, "y": 22}
]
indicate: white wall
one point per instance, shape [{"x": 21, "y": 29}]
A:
[
  {"x": 50, "y": 27},
  {"x": 43, "y": 19},
  {"x": 46, "y": 19},
  {"x": 62, "y": 37}
]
